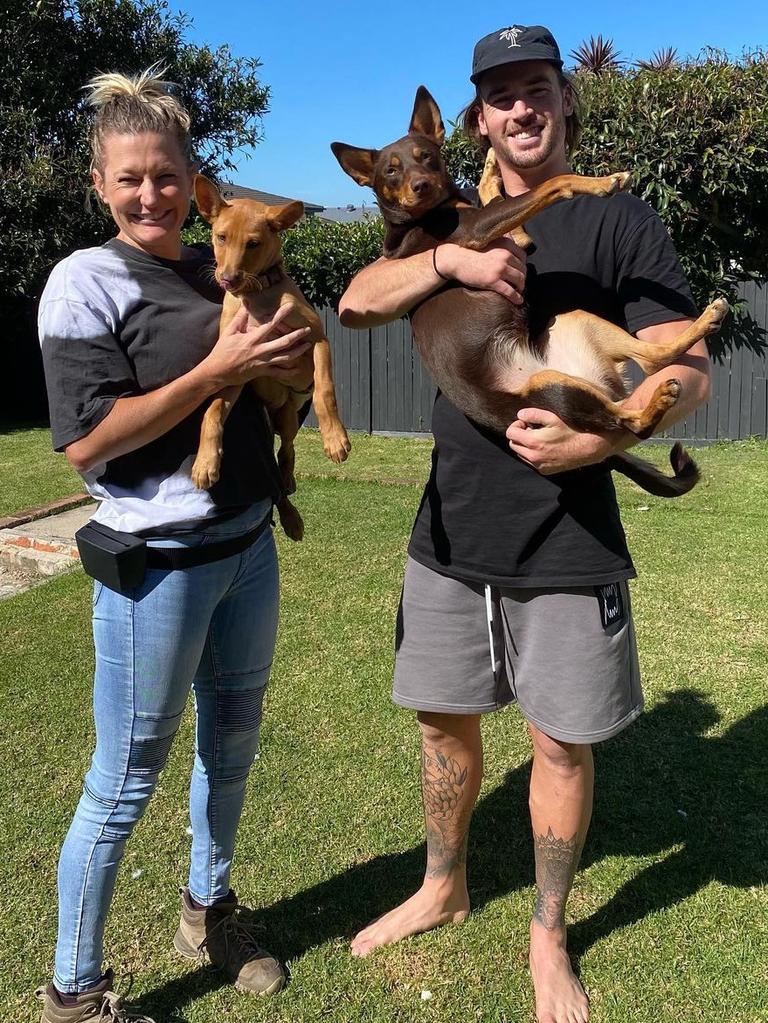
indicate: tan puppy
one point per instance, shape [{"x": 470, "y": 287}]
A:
[{"x": 247, "y": 246}]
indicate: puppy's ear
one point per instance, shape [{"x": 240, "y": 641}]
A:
[
  {"x": 360, "y": 164},
  {"x": 281, "y": 217},
  {"x": 426, "y": 118},
  {"x": 208, "y": 198}
]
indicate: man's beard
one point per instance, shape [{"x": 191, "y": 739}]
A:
[{"x": 526, "y": 160}]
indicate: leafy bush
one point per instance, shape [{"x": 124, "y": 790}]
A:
[
  {"x": 323, "y": 257},
  {"x": 695, "y": 136}
]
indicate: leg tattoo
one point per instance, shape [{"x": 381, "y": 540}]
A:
[
  {"x": 442, "y": 782},
  {"x": 556, "y": 861}
]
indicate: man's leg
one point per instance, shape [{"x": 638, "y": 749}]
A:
[
  {"x": 562, "y": 784},
  {"x": 573, "y": 658},
  {"x": 451, "y": 772}
]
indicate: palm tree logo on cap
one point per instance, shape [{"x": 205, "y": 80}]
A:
[{"x": 512, "y": 34}]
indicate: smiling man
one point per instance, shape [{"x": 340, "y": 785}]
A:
[{"x": 516, "y": 583}]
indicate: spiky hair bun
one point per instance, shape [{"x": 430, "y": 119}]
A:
[{"x": 131, "y": 105}]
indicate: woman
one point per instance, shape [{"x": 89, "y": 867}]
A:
[{"x": 129, "y": 340}]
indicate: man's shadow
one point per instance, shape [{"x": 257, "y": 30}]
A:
[{"x": 664, "y": 784}]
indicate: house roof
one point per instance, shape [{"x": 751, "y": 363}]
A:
[
  {"x": 349, "y": 214},
  {"x": 232, "y": 191}
]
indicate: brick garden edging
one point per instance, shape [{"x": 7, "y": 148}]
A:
[{"x": 32, "y": 514}]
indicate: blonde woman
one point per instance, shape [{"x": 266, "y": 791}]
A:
[{"x": 129, "y": 335}]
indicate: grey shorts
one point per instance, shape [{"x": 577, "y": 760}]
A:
[{"x": 568, "y": 657}]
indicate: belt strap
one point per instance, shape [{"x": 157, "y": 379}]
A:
[{"x": 190, "y": 557}]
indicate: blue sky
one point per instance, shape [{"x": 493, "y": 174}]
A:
[{"x": 349, "y": 71}]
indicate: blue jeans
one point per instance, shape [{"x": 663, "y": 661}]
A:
[{"x": 211, "y": 627}]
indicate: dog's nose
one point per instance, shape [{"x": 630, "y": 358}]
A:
[
  {"x": 420, "y": 186},
  {"x": 230, "y": 280}
]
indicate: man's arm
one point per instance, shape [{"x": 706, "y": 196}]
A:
[
  {"x": 555, "y": 447},
  {"x": 390, "y": 288}
]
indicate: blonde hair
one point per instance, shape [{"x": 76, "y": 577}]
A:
[{"x": 131, "y": 105}]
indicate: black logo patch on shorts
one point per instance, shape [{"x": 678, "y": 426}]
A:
[{"x": 611, "y": 601}]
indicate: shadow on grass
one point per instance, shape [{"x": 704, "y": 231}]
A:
[{"x": 662, "y": 785}]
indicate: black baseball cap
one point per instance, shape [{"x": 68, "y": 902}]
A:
[{"x": 509, "y": 45}]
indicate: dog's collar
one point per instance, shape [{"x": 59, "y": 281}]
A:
[{"x": 272, "y": 275}]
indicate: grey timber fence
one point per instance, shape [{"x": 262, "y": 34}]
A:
[{"x": 382, "y": 386}]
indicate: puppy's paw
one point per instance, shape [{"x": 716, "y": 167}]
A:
[
  {"x": 291, "y": 521},
  {"x": 205, "y": 472},
  {"x": 337, "y": 446}
]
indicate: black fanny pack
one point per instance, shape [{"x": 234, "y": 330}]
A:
[{"x": 120, "y": 560}]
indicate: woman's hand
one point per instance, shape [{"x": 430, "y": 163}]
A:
[
  {"x": 268, "y": 349},
  {"x": 544, "y": 441},
  {"x": 501, "y": 267}
]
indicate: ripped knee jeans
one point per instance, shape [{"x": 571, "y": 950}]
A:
[{"x": 213, "y": 628}]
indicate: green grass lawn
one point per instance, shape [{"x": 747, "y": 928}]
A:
[
  {"x": 670, "y": 913},
  {"x": 31, "y": 472}
]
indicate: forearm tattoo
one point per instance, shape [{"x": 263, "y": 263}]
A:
[
  {"x": 556, "y": 861},
  {"x": 443, "y": 782}
]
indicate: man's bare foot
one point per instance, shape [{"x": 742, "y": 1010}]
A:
[
  {"x": 432, "y": 906},
  {"x": 560, "y": 998}
]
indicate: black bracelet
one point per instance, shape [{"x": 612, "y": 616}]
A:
[{"x": 434, "y": 266}]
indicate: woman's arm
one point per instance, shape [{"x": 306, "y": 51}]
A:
[
  {"x": 239, "y": 355},
  {"x": 390, "y": 288}
]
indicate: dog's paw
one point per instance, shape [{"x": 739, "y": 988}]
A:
[
  {"x": 614, "y": 183},
  {"x": 205, "y": 472},
  {"x": 669, "y": 391},
  {"x": 664, "y": 397},
  {"x": 714, "y": 315},
  {"x": 337, "y": 447},
  {"x": 291, "y": 521},
  {"x": 643, "y": 422}
]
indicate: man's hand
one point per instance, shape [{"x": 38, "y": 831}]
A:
[
  {"x": 500, "y": 268},
  {"x": 544, "y": 441}
]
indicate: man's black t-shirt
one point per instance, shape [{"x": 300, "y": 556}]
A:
[{"x": 486, "y": 515}]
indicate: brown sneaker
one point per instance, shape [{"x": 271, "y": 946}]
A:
[
  {"x": 100, "y": 1003},
  {"x": 219, "y": 935}
]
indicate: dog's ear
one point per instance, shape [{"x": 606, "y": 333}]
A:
[
  {"x": 208, "y": 198},
  {"x": 426, "y": 118},
  {"x": 281, "y": 217},
  {"x": 360, "y": 164}
]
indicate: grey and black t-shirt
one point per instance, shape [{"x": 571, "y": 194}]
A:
[{"x": 114, "y": 322}]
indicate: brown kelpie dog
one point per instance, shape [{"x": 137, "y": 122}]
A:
[
  {"x": 247, "y": 246},
  {"x": 475, "y": 343}
]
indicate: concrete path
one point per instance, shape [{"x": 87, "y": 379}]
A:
[{"x": 40, "y": 543}]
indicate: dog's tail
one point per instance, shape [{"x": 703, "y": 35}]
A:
[{"x": 647, "y": 476}]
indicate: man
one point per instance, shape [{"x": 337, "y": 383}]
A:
[{"x": 516, "y": 583}]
